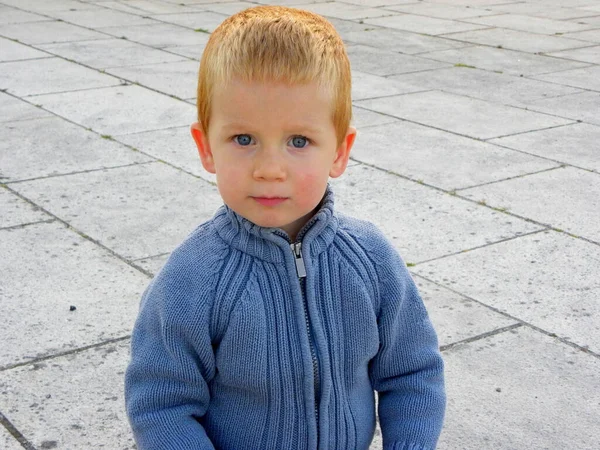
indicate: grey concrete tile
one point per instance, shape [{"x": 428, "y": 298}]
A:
[
  {"x": 582, "y": 106},
  {"x": 575, "y": 144},
  {"x": 409, "y": 149},
  {"x": 174, "y": 145},
  {"x": 15, "y": 109},
  {"x": 423, "y": 24},
  {"x": 37, "y": 293},
  {"x": 585, "y": 78},
  {"x": 145, "y": 7},
  {"x": 44, "y": 6},
  {"x": 455, "y": 317},
  {"x": 462, "y": 115},
  {"x": 177, "y": 78},
  {"x": 13, "y": 51},
  {"x": 593, "y": 22},
  {"x": 51, "y": 75},
  {"x": 204, "y": 20},
  {"x": 586, "y": 54},
  {"x": 64, "y": 148},
  {"x": 441, "y": 11},
  {"x": 364, "y": 118},
  {"x": 12, "y": 15},
  {"x": 137, "y": 211},
  {"x": 520, "y": 389},
  {"x": 344, "y": 10},
  {"x": 105, "y": 53},
  {"x": 16, "y": 211},
  {"x": 365, "y": 85},
  {"x": 494, "y": 87},
  {"x": 47, "y": 32},
  {"x": 421, "y": 223},
  {"x": 7, "y": 441},
  {"x": 375, "y": 3},
  {"x": 529, "y": 24},
  {"x": 383, "y": 62},
  {"x": 119, "y": 110},
  {"x": 503, "y": 60},
  {"x": 191, "y": 51},
  {"x": 542, "y": 9},
  {"x": 517, "y": 40},
  {"x": 73, "y": 401},
  {"x": 159, "y": 35},
  {"x": 566, "y": 198},
  {"x": 153, "y": 264},
  {"x": 398, "y": 41},
  {"x": 228, "y": 8},
  {"x": 589, "y": 36},
  {"x": 102, "y": 17}
]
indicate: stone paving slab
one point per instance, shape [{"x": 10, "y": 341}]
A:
[
  {"x": 45, "y": 7},
  {"x": 529, "y": 24},
  {"x": 73, "y": 401},
  {"x": 190, "y": 51},
  {"x": 204, "y": 20},
  {"x": 589, "y": 36},
  {"x": 15, "y": 109},
  {"x": 160, "y": 35},
  {"x": 502, "y": 60},
  {"x": 565, "y": 198},
  {"x": 112, "y": 206},
  {"x": 456, "y": 317},
  {"x": 547, "y": 279},
  {"x": 101, "y": 17},
  {"x": 575, "y": 144},
  {"x": 119, "y": 110},
  {"x": 363, "y": 118},
  {"x": 7, "y": 441},
  {"x": 16, "y": 211},
  {"x": 174, "y": 145},
  {"x": 12, "y": 15},
  {"x": 394, "y": 40},
  {"x": 47, "y": 32},
  {"x": 365, "y": 85},
  {"x": 420, "y": 222},
  {"x": 341, "y": 10},
  {"x": 585, "y": 78},
  {"x": 52, "y": 75},
  {"x": 543, "y": 10},
  {"x": 228, "y": 7},
  {"x": 423, "y": 24},
  {"x": 153, "y": 264},
  {"x": 383, "y": 62},
  {"x": 581, "y": 106},
  {"x": 13, "y": 51},
  {"x": 51, "y": 146},
  {"x": 177, "y": 78},
  {"x": 408, "y": 149},
  {"x": 106, "y": 53},
  {"x": 146, "y": 7},
  {"x": 441, "y": 11},
  {"x": 462, "y": 115},
  {"x": 37, "y": 293},
  {"x": 520, "y": 389},
  {"x": 586, "y": 54},
  {"x": 473, "y": 82},
  {"x": 517, "y": 40}
]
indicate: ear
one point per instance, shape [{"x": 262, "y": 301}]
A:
[
  {"x": 204, "y": 150},
  {"x": 342, "y": 154}
]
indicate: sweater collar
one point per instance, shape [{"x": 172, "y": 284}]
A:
[{"x": 268, "y": 243}]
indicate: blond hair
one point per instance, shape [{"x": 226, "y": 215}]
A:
[{"x": 277, "y": 44}]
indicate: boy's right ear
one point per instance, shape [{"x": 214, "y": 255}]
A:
[{"x": 201, "y": 140}]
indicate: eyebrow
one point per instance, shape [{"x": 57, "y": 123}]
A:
[{"x": 299, "y": 127}]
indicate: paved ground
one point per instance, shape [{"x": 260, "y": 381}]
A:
[{"x": 478, "y": 154}]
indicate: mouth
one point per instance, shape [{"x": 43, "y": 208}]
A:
[{"x": 270, "y": 201}]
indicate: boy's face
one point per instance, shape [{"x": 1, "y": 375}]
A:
[{"x": 273, "y": 148}]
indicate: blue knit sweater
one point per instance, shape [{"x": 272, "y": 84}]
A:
[{"x": 245, "y": 342}]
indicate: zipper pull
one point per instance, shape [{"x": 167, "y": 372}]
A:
[{"x": 300, "y": 268}]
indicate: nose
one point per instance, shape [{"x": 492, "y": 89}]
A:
[{"x": 269, "y": 165}]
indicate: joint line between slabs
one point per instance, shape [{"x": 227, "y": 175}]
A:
[
  {"x": 443, "y": 348},
  {"x": 14, "y": 432}
]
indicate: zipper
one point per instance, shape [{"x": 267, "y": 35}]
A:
[{"x": 301, "y": 272}]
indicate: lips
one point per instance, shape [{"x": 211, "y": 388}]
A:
[{"x": 270, "y": 201}]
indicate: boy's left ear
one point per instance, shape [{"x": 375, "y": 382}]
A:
[{"x": 342, "y": 154}]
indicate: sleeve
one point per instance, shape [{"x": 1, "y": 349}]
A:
[
  {"x": 407, "y": 371},
  {"x": 166, "y": 388}
]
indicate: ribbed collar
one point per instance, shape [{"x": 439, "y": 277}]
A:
[{"x": 269, "y": 243}]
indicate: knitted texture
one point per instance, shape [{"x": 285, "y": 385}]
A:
[{"x": 228, "y": 343}]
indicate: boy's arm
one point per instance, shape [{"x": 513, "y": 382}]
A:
[
  {"x": 166, "y": 381},
  {"x": 408, "y": 369}
]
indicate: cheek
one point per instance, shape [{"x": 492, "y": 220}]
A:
[{"x": 311, "y": 187}]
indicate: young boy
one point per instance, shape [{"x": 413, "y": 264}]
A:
[{"x": 273, "y": 323}]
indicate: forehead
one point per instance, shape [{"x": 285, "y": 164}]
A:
[{"x": 272, "y": 103}]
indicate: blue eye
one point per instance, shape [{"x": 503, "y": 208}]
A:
[
  {"x": 243, "y": 139},
  {"x": 299, "y": 141}
]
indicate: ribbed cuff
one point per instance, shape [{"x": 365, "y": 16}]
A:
[{"x": 405, "y": 446}]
